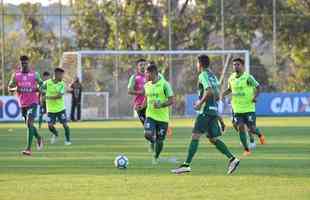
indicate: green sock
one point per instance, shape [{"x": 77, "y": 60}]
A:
[
  {"x": 53, "y": 130},
  {"x": 40, "y": 120},
  {"x": 35, "y": 133},
  {"x": 67, "y": 133},
  {"x": 29, "y": 137},
  {"x": 158, "y": 148},
  {"x": 220, "y": 145},
  {"x": 243, "y": 140},
  {"x": 251, "y": 136},
  {"x": 191, "y": 151},
  {"x": 257, "y": 132},
  {"x": 152, "y": 146}
]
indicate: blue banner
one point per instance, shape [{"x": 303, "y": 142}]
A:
[{"x": 268, "y": 104}]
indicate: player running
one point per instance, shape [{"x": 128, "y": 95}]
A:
[
  {"x": 25, "y": 82},
  {"x": 158, "y": 98},
  {"x": 207, "y": 120},
  {"x": 55, "y": 103},
  {"x": 244, "y": 89},
  {"x": 46, "y": 76},
  {"x": 136, "y": 88}
]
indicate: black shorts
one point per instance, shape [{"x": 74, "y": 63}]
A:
[
  {"x": 61, "y": 116},
  {"x": 141, "y": 115},
  {"x": 30, "y": 111},
  {"x": 156, "y": 128},
  {"x": 248, "y": 119}
]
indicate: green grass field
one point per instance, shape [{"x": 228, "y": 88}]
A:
[{"x": 85, "y": 170}]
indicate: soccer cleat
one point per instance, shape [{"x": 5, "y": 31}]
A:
[
  {"x": 27, "y": 152},
  {"x": 184, "y": 168},
  {"x": 68, "y": 143},
  {"x": 155, "y": 161},
  {"x": 40, "y": 144},
  {"x": 233, "y": 165},
  {"x": 262, "y": 139},
  {"x": 252, "y": 145},
  {"x": 247, "y": 152},
  {"x": 54, "y": 139}
]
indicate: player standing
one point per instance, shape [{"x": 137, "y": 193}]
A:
[
  {"x": 25, "y": 82},
  {"x": 207, "y": 119},
  {"x": 244, "y": 89},
  {"x": 55, "y": 103},
  {"x": 46, "y": 76},
  {"x": 158, "y": 98},
  {"x": 136, "y": 88}
]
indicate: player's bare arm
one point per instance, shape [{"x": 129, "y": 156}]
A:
[{"x": 205, "y": 97}]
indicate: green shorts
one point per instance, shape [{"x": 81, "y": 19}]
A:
[
  {"x": 60, "y": 116},
  {"x": 248, "y": 119},
  {"x": 207, "y": 124},
  {"x": 155, "y": 127}
]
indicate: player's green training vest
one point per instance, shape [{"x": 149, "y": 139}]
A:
[
  {"x": 154, "y": 93},
  {"x": 242, "y": 93},
  {"x": 53, "y": 89}
]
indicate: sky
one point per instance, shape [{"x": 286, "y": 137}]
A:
[{"x": 43, "y": 2}]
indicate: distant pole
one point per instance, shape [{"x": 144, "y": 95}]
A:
[
  {"x": 60, "y": 29},
  {"x": 2, "y": 49},
  {"x": 274, "y": 32},
  {"x": 169, "y": 40},
  {"x": 222, "y": 24}
]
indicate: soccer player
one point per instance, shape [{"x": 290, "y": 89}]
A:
[
  {"x": 244, "y": 89},
  {"x": 55, "y": 103},
  {"x": 207, "y": 120},
  {"x": 136, "y": 88},
  {"x": 25, "y": 82},
  {"x": 46, "y": 76},
  {"x": 159, "y": 96}
]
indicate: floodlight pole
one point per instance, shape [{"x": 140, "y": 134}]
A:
[
  {"x": 2, "y": 49},
  {"x": 170, "y": 40},
  {"x": 274, "y": 32}
]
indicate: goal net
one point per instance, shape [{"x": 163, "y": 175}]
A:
[{"x": 105, "y": 75}]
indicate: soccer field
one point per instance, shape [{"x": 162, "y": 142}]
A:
[{"x": 85, "y": 170}]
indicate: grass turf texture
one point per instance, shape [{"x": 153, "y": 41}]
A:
[{"x": 85, "y": 170}]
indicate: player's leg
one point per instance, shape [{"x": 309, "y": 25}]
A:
[
  {"x": 41, "y": 113},
  {"x": 141, "y": 115},
  {"x": 51, "y": 121},
  {"x": 251, "y": 123},
  {"x": 150, "y": 132},
  {"x": 32, "y": 130},
  {"x": 62, "y": 118},
  {"x": 240, "y": 120},
  {"x": 214, "y": 132},
  {"x": 199, "y": 129},
  {"x": 161, "y": 131},
  {"x": 78, "y": 111},
  {"x": 72, "y": 114},
  {"x": 27, "y": 150}
]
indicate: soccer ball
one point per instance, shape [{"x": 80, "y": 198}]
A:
[{"x": 121, "y": 162}]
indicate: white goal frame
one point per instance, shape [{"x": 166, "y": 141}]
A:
[
  {"x": 107, "y": 96},
  {"x": 80, "y": 54}
]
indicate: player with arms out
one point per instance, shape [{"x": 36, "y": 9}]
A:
[
  {"x": 55, "y": 103},
  {"x": 158, "y": 97},
  {"x": 26, "y": 83},
  {"x": 244, "y": 89},
  {"x": 46, "y": 76},
  {"x": 207, "y": 120}
]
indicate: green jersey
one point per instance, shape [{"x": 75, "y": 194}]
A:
[
  {"x": 243, "y": 91},
  {"x": 157, "y": 92},
  {"x": 207, "y": 80},
  {"x": 53, "y": 89}
]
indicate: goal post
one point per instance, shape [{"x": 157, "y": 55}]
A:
[{"x": 106, "y": 72}]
